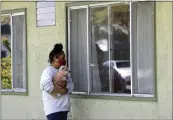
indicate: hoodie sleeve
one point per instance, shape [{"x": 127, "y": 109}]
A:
[
  {"x": 46, "y": 83},
  {"x": 70, "y": 85}
]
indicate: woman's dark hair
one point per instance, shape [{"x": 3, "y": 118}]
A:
[{"x": 57, "y": 50}]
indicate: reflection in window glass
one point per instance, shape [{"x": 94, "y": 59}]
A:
[
  {"x": 120, "y": 46},
  {"x": 6, "y": 52},
  {"x": 123, "y": 64},
  {"x": 110, "y": 65},
  {"x": 99, "y": 49}
]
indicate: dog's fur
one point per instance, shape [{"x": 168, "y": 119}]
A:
[{"x": 61, "y": 77}]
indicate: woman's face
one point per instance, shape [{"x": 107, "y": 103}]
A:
[{"x": 60, "y": 60}]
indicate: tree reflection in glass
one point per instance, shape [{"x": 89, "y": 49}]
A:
[{"x": 110, "y": 63}]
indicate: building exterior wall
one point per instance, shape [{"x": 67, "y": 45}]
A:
[{"x": 40, "y": 41}]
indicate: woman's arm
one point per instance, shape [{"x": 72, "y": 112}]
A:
[
  {"x": 58, "y": 90},
  {"x": 46, "y": 83}
]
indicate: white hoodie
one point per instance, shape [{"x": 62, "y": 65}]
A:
[{"x": 52, "y": 103}]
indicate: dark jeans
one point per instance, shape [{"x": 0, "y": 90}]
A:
[{"x": 58, "y": 116}]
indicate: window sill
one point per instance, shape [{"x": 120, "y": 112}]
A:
[
  {"x": 20, "y": 92},
  {"x": 125, "y": 97}
]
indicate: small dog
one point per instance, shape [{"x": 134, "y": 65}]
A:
[{"x": 60, "y": 78}]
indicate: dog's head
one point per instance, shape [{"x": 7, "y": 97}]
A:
[{"x": 64, "y": 70}]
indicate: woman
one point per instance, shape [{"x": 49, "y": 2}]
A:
[{"x": 55, "y": 107}]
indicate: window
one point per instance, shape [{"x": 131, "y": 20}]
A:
[
  {"x": 13, "y": 51},
  {"x": 111, "y": 48}
]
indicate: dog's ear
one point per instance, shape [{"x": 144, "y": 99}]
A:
[{"x": 61, "y": 68}]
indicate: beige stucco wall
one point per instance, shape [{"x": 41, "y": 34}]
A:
[{"x": 40, "y": 42}]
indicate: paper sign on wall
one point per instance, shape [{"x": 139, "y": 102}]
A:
[{"x": 45, "y": 13}]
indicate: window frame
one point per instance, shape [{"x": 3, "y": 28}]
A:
[
  {"x": 132, "y": 96},
  {"x": 16, "y": 91}
]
